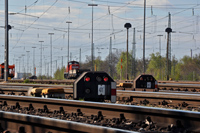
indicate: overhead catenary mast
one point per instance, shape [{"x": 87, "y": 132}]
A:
[
  {"x": 7, "y": 27},
  {"x": 133, "y": 54}
]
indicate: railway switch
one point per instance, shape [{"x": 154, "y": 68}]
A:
[{"x": 95, "y": 86}]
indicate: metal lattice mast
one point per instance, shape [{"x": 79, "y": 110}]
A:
[
  {"x": 80, "y": 56},
  {"x": 92, "y": 41},
  {"x": 110, "y": 56},
  {"x": 169, "y": 50},
  {"x": 133, "y": 54},
  {"x": 6, "y": 50}
]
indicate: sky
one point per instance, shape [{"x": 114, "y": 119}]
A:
[{"x": 33, "y": 20}]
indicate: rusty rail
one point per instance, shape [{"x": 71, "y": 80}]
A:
[
  {"x": 38, "y": 124},
  {"x": 160, "y": 95},
  {"x": 190, "y": 120}
]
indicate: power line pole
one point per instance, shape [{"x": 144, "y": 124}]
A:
[
  {"x": 169, "y": 48},
  {"x": 56, "y": 65},
  {"x": 34, "y": 73},
  {"x": 133, "y": 54},
  {"x": 144, "y": 37},
  {"x": 23, "y": 66},
  {"x": 68, "y": 42},
  {"x": 110, "y": 56},
  {"x": 41, "y": 59},
  {"x": 7, "y": 28},
  {"x": 27, "y": 62},
  {"x": 127, "y": 26},
  {"x": 80, "y": 56},
  {"x": 51, "y": 51},
  {"x": 160, "y": 52},
  {"x": 19, "y": 63},
  {"x": 168, "y": 56},
  {"x": 92, "y": 43},
  {"x": 168, "y": 30},
  {"x": 62, "y": 61},
  {"x": 48, "y": 70}
]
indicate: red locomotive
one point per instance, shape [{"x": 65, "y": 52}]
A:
[
  {"x": 11, "y": 69},
  {"x": 73, "y": 70}
]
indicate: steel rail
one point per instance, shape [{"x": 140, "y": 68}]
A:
[
  {"x": 71, "y": 85},
  {"x": 38, "y": 124},
  {"x": 34, "y": 85},
  {"x": 160, "y": 95},
  {"x": 168, "y": 116},
  {"x": 121, "y": 93},
  {"x": 197, "y": 86},
  {"x": 69, "y": 82}
]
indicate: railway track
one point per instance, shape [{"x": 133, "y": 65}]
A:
[
  {"x": 42, "y": 81},
  {"x": 162, "y": 85},
  {"x": 153, "y": 99},
  {"x": 181, "y": 101},
  {"x": 174, "y": 100},
  {"x": 49, "y": 115}
]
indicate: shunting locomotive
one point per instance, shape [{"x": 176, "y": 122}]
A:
[
  {"x": 73, "y": 70},
  {"x": 11, "y": 71}
]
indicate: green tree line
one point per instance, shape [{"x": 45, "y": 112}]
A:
[{"x": 186, "y": 68}]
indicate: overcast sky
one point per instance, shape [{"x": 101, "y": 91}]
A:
[{"x": 34, "y": 19}]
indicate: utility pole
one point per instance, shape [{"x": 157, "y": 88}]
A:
[
  {"x": 23, "y": 66},
  {"x": 144, "y": 37},
  {"x": 48, "y": 70},
  {"x": 133, "y": 54},
  {"x": 92, "y": 43},
  {"x": 7, "y": 28},
  {"x": 168, "y": 56},
  {"x": 34, "y": 73},
  {"x": 56, "y": 65},
  {"x": 121, "y": 70},
  {"x": 27, "y": 66},
  {"x": 62, "y": 61},
  {"x": 51, "y": 51},
  {"x": 160, "y": 52},
  {"x": 168, "y": 30},
  {"x": 19, "y": 63},
  {"x": 110, "y": 56},
  {"x": 169, "y": 44},
  {"x": 127, "y": 26},
  {"x": 16, "y": 60},
  {"x": 80, "y": 56},
  {"x": 41, "y": 59},
  {"x": 68, "y": 42}
]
